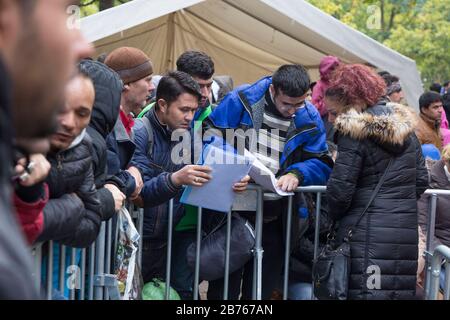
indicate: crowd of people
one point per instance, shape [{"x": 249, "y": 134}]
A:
[{"x": 83, "y": 137}]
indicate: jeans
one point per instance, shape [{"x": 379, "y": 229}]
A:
[
  {"x": 300, "y": 291},
  {"x": 154, "y": 254},
  {"x": 182, "y": 276}
]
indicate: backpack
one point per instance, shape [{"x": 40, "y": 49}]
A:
[{"x": 148, "y": 127}]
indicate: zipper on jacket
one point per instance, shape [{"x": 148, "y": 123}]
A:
[
  {"x": 59, "y": 159},
  {"x": 247, "y": 109},
  {"x": 307, "y": 130}
]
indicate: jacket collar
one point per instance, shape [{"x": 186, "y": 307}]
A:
[
  {"x": 431, "y": 123},
  {"x": 438, "y": 178},
  {"x": 120, "y": 132},
  {"x": 386, "y": 124},
  {"x": 156, "y": 124}
]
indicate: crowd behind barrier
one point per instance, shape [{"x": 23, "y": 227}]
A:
[{"x": 87, "y": 274}]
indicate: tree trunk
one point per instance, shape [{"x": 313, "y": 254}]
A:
[{"x": 106, "y": 4}]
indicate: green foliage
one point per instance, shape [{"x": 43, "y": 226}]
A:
[
  {"x": 89, "y": 7},
  {"x": 418, "y": 29}
]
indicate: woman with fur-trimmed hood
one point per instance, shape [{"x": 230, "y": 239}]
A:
[{"x": 370, "y": 132}]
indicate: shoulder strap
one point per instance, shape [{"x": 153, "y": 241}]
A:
[
  {"x": 372, "y": 197},
  {"x": 148, "y": 127},
  {"x": 202, "y": 117},
  {"x": 145, "y": 110}
]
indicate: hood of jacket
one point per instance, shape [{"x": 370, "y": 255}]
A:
[
  {"x": 438, "y": 178},
  {"x": 326, "y": 66},
  {"x": 108, "y": 91},
  {"x": 387, "y": 124}
]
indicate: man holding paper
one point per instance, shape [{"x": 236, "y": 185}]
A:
[
  {"x": 286, "y": 134},
  {"x": 161, "y": 163}
]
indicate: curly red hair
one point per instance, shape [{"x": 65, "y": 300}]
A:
[{"x": 356, "y": 85}]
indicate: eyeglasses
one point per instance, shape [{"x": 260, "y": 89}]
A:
[{"x": 290, "y": 106}]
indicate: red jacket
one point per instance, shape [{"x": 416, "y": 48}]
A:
[{"x": 31, "y": 216}]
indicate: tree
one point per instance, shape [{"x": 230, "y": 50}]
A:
[
  {"x": 89, "y": 7},
  {"x": 416, "y": 28}
]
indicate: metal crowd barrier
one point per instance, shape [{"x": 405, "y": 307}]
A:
[
  {"x": 433, "y": 258},
  {"x": 260, "y": 197},
  {"x": 91, "y": 277},
  {"x": 440, "y": 253},
  {"x": 83, "y": 273}
]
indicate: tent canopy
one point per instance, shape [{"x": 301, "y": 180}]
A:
[{"x": 246, "y": 39}]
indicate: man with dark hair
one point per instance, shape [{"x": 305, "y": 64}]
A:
[
  {"x": 201, "y": 68},
  {"x": 35, "y": 44},
  {"x": 394, "y": 90},
  {"x": 445, "y": 88},
  {"x": 429, "y": 123},
  {"x": 73, "y": 213},
  {"x": 290, "y": 141},
  {"x": 177, "y": 101},
  {"x": 435, "y": 87}
]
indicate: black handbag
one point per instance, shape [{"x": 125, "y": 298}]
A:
[
  {"x": 213, "y": 245},
  {"x": 331, "y": 269}
]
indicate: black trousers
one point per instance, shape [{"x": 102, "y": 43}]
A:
[{"x": 272, "y": 267}]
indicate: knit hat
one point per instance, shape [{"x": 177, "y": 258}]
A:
[{"x": 130, "y": 63}]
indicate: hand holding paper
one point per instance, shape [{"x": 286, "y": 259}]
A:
[
  {"x": 227, "y": 169},
  {"x": 264, "y": 177}
]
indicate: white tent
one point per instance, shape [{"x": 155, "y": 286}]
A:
[{"x": 247, "y": 39}]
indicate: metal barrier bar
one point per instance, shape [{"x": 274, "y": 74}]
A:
[
  {"x": 441, "y": 252},
  {"x": 447, "y": 282},
  {"x": 257, "y": 266},
  {"x": 50, "y": 271},
  {"x": 439, "y": 192},
  {"x": 73, "y": 263},
  {"x": 83, "y": 274},
  {"x": 197, "y": 253},
  {"x": 36, "y": 252},
  {"x": 316, "y": 233},
  {"x": 91, "y": 271},
  {"x": 62, "y": 268},
  {"x": 100, "y": 261},
  {"x": 169, "y": 249},
  {"x": 430, "y": 237},
  {"x": 108, "y": 245},
  {"x": 287, "y": 252},
  {"x": 141, "y": 233},
  {"x": 227, "y": 258}
]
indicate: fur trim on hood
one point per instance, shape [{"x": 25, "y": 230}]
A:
[{"x": 386, "y": 124}]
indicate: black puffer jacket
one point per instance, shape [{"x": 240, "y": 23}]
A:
[
  {"x": 108, "y": 90},
  {"x": 386, "y": 238},
  {"x": 73, "y": 214}
]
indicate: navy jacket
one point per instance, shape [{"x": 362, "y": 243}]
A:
[
  {"x": 120, "y": 152},
  {"x": 156, "y": 168}
]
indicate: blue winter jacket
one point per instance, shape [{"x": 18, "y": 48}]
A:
[{"x": 305, "y": 152}]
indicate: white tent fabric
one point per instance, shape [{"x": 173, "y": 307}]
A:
[{"x": 247, "y": 39}]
